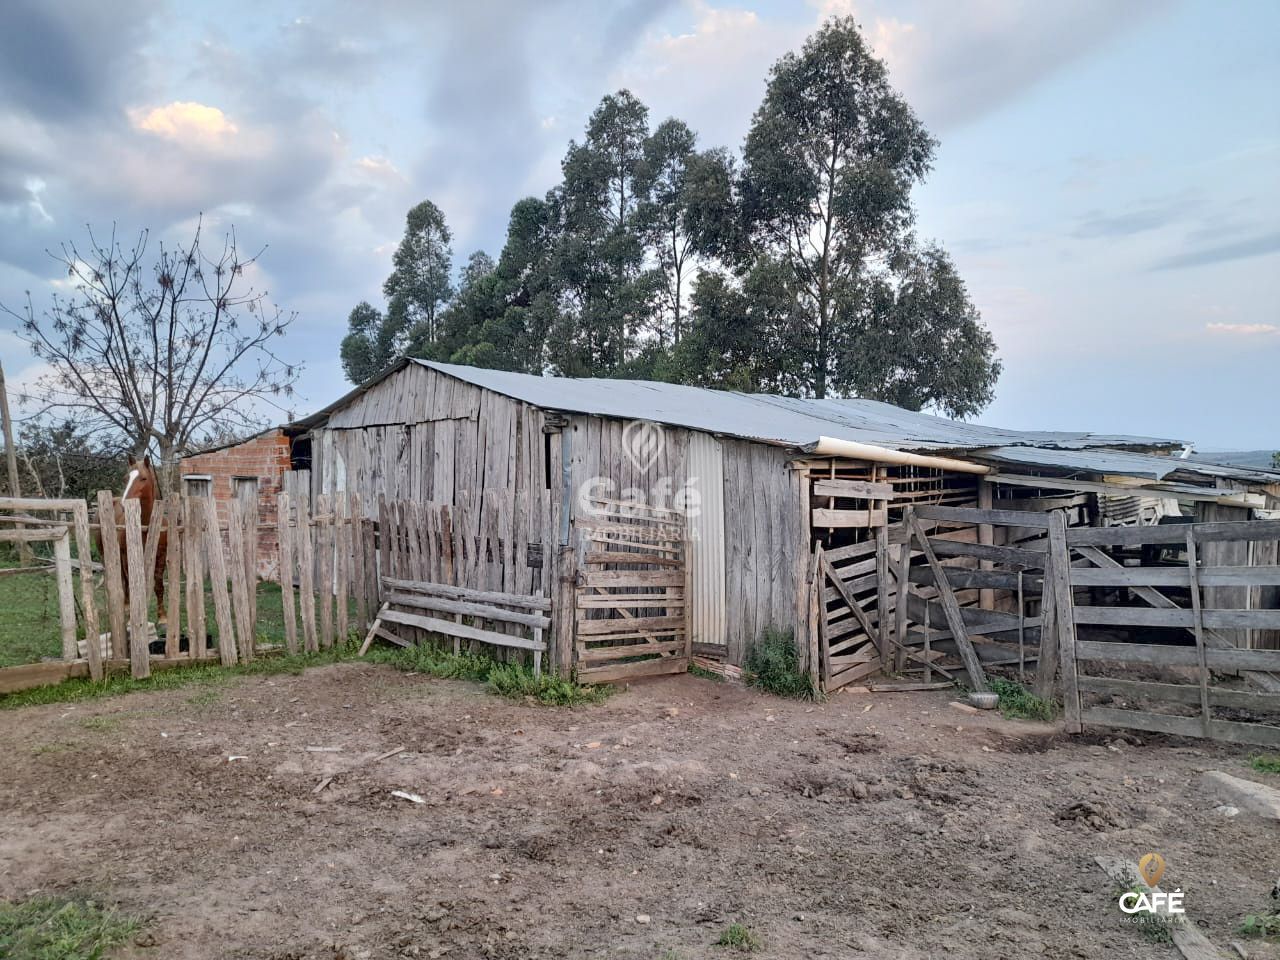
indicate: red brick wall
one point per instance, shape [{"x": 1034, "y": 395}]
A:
[{"x": 265, "y": 457}]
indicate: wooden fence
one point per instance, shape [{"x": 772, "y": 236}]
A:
[
  {"x": 1251, "y": 715},
  {"x": 328, "y": 567}
]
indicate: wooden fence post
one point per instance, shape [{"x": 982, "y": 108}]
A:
[
  {"x": 112, "y": 575},
  {"x": 284, "y": 538},
  {"x": 324, "y": 569},
  {"x": 218, "y": 582},
  {"x": 66, "y": 594},
  {"x": 242, "y": 602},
  {"x": 192, "y": 542},
  {"x": 1206, "y": 714},
  {"x": 136, "y": 560},
  {"x": 84, "y": 552},
  {"x": 359, "y": 578},
  {"x": 1060, "y": 573},
  {"x": 173, "y": 573},
  {"x": 342, "y": 561},
  {"x": 306, "y": 576}
]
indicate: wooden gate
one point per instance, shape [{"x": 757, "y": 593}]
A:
[
  {"x": 1149, "y": 597},
  {"x": 631, "y": 601}
]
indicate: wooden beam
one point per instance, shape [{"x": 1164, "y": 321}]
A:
[{"x": 950, "y": 607}]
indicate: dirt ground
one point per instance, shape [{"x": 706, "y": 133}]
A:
[{"x": 885, "y": 825}]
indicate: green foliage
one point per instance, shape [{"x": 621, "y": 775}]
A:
[
  {"x": 773, "y": 665},
  {"x": 516, "y": 682},
  {"x": 509, "y": 680},
  {"x": 793, "y": 271},
  {"x": 61, "y": 458},
  {"x": 55, "y": 928},
  {"x": 739, "y": 938},
  {"x": 1265, "y": 763},
  {"x": 1262, "y": 925},
  {"x": 1017, "y": 702}
]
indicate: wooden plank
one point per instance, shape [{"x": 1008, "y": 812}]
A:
[
  {"x": 1228, "y": 731},
  {"x": 305, "y": 533},
  {"x": 486, "y": 611},
  {"x": 241, "y": 604},
  {"x": 35, "y": 535},
  {"x": 848, "y": 599},
  {"x": 1180, "y": 491},
  {"x": 620, "y": 557},
  {"x": 627, "y": 671},
  {"x": 1183, "y": 693},
  {"x": 359, "y": 576},
  {"x": 608, "y": 654},
  {"x": 288, "y": 602},
  {"x": 844, "y": 519},
  {"x": 632, "y": 578},
  {"x": 1175, "y": 533},
  {"x": 67, "y": 597},
  {"x": 598, "y": 628},
  {"x": 882, "y": 636},
  {"x": 1059, "y": 578},
  {"x": 136, "y": 562},
  {"x": 324, "y": 569},
  {"x": 463, "y": 593},
  {"x": 609, "y": 601},
  {"x": 1177, "y": 617},
  {"x": 342, "y": 564},
  {"x": 1026, "y": 556},
  {"x": 218, "y": 582},
  {"x": 845, "y": 677},
  {"x": 88, "y": 603},
  {"x": 1121, "y": 576},
  {"x": 1205, "y": 713},
  {"x": 453, "y": 629},
  {"x": 1224, "y": 660},
  {"x": 951, "y": 608},
  {"x": 173, "y": 576},
  {"x": 975, "y": 515},
  {"x": 852, "y": 489},
  {"x": 193, "y": 544}
]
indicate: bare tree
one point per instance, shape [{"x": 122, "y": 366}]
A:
[{"x": 160, "y": 357}]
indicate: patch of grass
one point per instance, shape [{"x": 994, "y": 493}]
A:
[
  {"x": 81, "y": 689},
  {"x": 702, "y": 673},
  {"x": 739, "y": 938},
  {"x": 773, "y": 665},
  {"x": 101, "y": 724},
  {"x": 55, "y": 928},
  {"x": 1017, "y": 702},
  {"x": 1265, "y": 763},
  {"x": 509, "y": 680},
  {"x": 1261, "y": 925}
]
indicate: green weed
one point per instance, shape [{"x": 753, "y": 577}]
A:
[
  {"x": 55, "y": 928},
  {"x": 1017, "y": 702},
  {"x": 702, "y": 673},
  {"x": 513, "y": 681},
  {"x": 1265, "y": 763},
  {"x": 773, "y": 665},
  {"x": 739, "y": 938},
  {"x": 1261, "y": 925}
]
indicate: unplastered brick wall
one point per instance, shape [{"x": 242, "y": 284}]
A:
[{"x": 266, "y": 458}]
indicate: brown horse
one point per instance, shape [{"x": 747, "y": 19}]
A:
[{"x": 141, "y": 484}]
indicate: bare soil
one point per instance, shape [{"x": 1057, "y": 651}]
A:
[{"x": 887, "y": 825}]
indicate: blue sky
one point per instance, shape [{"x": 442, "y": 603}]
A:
[{"x": 1108, "y": 178}]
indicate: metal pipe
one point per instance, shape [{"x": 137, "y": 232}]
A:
[{"x": 831, "y": 447}]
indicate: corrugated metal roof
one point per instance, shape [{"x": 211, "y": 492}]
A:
[
  {"x": 783, "y": 420},
  {"x": 1121, "y": 463}
]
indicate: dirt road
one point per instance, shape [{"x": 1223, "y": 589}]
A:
[{"x": 869, "y": 826}]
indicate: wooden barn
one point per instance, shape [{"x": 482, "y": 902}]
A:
[{"x": 744, "y": 513}]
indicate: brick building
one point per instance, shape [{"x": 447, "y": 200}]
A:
[{"x": 254, "y": 468}]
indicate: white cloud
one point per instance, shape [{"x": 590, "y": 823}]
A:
[
  {"x": 1242, "y": 329},
  {"x": 185, "y": 122}
]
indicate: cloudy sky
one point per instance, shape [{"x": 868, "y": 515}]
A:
[{"x": 1108, "y": 178}]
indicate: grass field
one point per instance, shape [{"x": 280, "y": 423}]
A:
[{"x": 29, "y": 625}]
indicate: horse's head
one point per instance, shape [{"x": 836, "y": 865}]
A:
[{"x": 141, "y": 482}]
